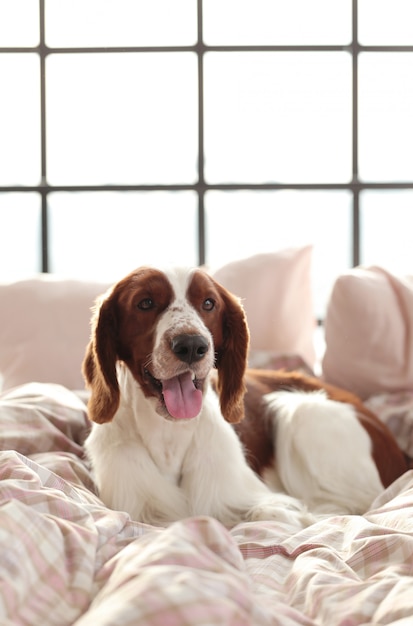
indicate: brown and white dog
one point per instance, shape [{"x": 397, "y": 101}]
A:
[{"x": 170, "y": 439}]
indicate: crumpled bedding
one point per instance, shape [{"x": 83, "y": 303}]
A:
[{"x": 67, "y": 559}]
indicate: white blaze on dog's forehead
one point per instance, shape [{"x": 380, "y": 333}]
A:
[
  {"x": 180, "y": 314},
  {"x": 180, "y": 279}
]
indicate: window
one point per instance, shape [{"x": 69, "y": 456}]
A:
[{"x": 201, "y": 131}]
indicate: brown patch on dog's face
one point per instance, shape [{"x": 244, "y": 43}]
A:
[
  {"x": 205, "y": 296},
  {"x": 141, "y": 300},
  {"x": 227, "y": 323},
  {"x": 123, "y": 328}
]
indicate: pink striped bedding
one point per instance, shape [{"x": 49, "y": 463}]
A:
[{"x": 67, "y": 559}]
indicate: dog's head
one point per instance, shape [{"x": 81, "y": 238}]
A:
[{"x": 170, "y": 329}]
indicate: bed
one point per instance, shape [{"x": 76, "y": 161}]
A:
[{"x": 68, "y": 559}]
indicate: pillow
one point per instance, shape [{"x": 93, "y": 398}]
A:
[
  {"x": 44, "y": 329},
  {"x": 368, "y": 332},
  {"x": 276, "y": 291}
]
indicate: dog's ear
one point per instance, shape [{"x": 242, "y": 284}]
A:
[
  {"x": 99, "y": 364},
  {"x": 231, "y": 360}
]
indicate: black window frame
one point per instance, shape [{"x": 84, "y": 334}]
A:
[{"x": 201, "y": 186}]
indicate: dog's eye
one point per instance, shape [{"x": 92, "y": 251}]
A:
[
  {"x": 146, "y": 304},
  {"x": 208, "y": 304}
]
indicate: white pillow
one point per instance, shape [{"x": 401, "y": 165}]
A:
[
  {"x": 45, "y": 320},
  {"x": 368, "y": 332},
  {"x": 44, "y": 329},
  {"x": 276, "y": 292}
]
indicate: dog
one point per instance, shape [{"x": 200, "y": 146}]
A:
[{"x": 181, "y": 427}]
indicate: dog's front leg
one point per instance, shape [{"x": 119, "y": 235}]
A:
[{"x": 281, "y": 508}]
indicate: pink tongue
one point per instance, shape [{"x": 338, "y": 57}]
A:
[{"x": 182, "y": 399}]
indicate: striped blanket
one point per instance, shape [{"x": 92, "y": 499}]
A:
[{"x": 67, "y": 559}]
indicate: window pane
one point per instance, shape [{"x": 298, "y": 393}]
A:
[
  {"x": 105, "y": 235},
  {"x": 386, "y": 229},
  {"x": 19, "y": 119},
  {"x": 385, "y": 116},
  {"x": 248, "y": 22},
  {"x": 127, "y": 118},
  {"x": 19, "y": 23},
  {"x": 278, "y": 117},
  {"x": 20, "y": 235},
  {"x": 240, "y": 224},
  {"x": 120, "y": 22},
  {"x": 385, "y": 22}
]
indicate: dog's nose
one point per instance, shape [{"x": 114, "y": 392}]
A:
[{"x": 189, "y": 348}]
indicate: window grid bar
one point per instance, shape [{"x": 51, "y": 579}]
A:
[
  {"x": 206, "y": 48},
  {"x": 356, "y": 228},
  {"x": 356, "y": 192},
  {"x": 192, "y": 48},
  {"x": 42, "y": 54},
  {"x": 351, "y": 186},
  {"x": 201, "y": 161},
  {"x": 44, "y": 231}
]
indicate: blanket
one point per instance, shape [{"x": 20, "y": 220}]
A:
[{"x": 68, "y": 559}]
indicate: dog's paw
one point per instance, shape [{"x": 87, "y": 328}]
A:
[{"x": 282, "y": 508}]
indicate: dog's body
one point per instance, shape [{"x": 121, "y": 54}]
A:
[{"x": 168, "y": 443}]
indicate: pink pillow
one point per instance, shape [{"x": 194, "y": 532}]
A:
[
  {"x": 368, "y": 332},
  {"x": 276, "y": 291},
  {"x": 44, "y": 330}
]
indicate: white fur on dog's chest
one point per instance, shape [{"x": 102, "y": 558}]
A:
[
  {"x": 167, "y": 450},
  {"x": 165, "y": 442}
]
